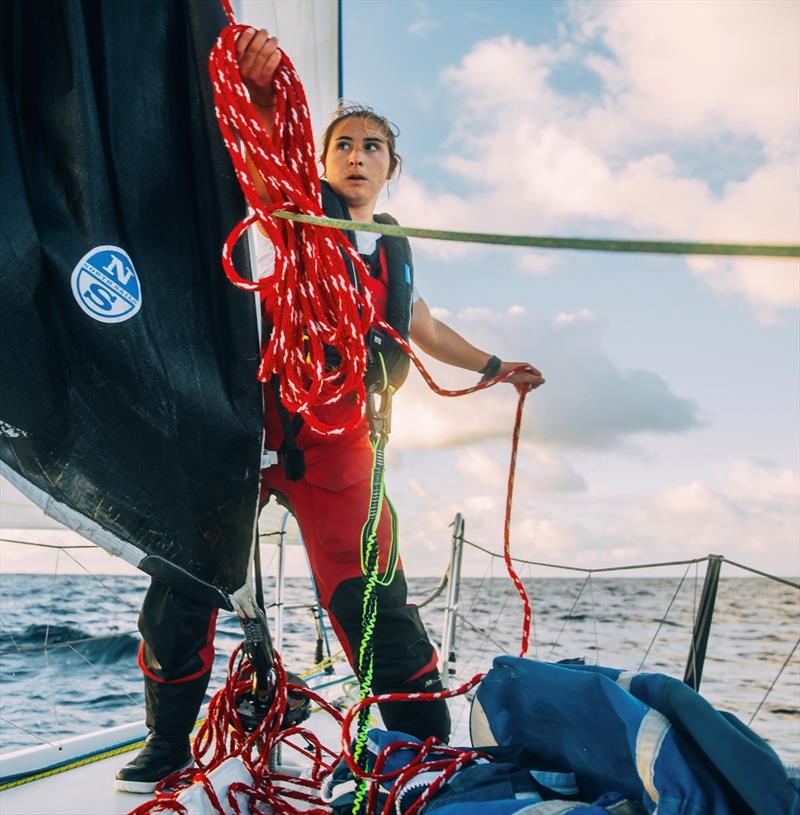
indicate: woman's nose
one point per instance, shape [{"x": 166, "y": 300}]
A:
[{"x": 355, "y": 157}]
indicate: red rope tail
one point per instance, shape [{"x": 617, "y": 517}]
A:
[
  {"x": 226, "y": 5},
  {"x": 512, "y": 469},
  {"x": 347, "y": 752}
]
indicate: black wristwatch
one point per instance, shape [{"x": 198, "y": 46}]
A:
[{"x": 491, "y": 369}]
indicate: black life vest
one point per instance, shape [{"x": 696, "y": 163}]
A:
[{"x": 387, "y": 362}]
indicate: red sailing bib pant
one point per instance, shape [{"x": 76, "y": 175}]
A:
[{"x": 330, "y": 504}]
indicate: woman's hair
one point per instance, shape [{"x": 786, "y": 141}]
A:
[{"x": 352, "y": 110}]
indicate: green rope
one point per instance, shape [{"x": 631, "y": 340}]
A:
[
  {"x": 369, "y": 531},
  {"x": 772, "y": 250},
  {"x": 370, "y": 567}
]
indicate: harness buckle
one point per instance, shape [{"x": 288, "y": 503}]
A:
[
  {"x": 379, "y": 412},
  {"x": 268, "y": 458}
]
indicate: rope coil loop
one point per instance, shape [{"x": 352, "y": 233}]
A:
[{"x": 309, "y": 294}]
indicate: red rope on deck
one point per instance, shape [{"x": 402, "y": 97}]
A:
[{"x": 222, "y": 736}]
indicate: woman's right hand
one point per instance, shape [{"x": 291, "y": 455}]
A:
[{"x": 258, "y": 57}]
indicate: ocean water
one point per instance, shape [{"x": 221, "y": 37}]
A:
[{"x": 68, "y": 643}]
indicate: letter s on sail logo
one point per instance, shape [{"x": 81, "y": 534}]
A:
[{"x": 106, "y": 285}]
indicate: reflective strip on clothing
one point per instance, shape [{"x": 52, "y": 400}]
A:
[
  {"x": 624, "y": 680},
  {"x": 552, "y": 808},
  {"x": 652, "y": 732}
]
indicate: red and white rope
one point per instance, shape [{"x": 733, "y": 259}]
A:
[
  {"x": 309, "y": 295},
  {"x": 222, "y": 735}
]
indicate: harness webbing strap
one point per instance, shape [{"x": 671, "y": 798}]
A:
[
  {"x": 370, "y": 564},
  {"x": 370, "y": 569}
]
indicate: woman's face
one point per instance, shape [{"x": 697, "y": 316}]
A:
[{"x": 357, "y": 163}]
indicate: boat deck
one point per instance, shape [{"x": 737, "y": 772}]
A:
[
  {"x": 84, "y": 790},
  {"x": 84, "y": 785}
]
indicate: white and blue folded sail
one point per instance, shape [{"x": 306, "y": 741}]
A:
[
  {"x": 648, "y": 738},
  {"x": 573, "y": 739}
]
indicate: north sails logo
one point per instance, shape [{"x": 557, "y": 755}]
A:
[
  {"x": 106, "y": 285},
  {"x": 9, "y": 430}
]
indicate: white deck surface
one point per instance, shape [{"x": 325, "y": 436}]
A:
[{"x": 89, "y": 789}]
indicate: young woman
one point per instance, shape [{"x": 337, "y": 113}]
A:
[{"x": 330, "y": 498}]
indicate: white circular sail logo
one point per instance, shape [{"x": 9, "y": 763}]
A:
[{"x": 106, "y": 285}]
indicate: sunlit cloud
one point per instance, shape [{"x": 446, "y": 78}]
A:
[
  {"x": 682, "y": 88},
  {"x": 588, "y": 402},
  {"x": 684, "y": 520}
]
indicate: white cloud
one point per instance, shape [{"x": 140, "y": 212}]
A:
[
  {"x": 535, "y": 263},
  {"x": 546, "y": 471},
  {"x": 587, "y": 403},
  {"x": 538, "y": 470},
  {"x": 746, "y": 511},
  {"x": 483, "y": 469},
  {"x": 425, "y": 23},
  {"x": 423, "y": 27},
  {"x": 418, "y": 488},
  {"x": 584, "y": 314},
  {"x": 676, "y": 77},
  {"x": 751, "y": 515},
  {"x": 749, "y": 481},
  {"x": 551, "y": 539},
  {"x": 701, "y": 66},
  {"x": 768, "y": 285},
  {"x": 690, "y": 499}
]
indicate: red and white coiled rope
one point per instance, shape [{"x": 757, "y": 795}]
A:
[{"x": 309, "y": 294}]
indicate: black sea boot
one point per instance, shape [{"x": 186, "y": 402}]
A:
[
  {"x": 420, "y": 719},
  {"x": 172, "y": 710}
]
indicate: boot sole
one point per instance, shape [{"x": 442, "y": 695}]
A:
[{"x": 144, "y": 787}]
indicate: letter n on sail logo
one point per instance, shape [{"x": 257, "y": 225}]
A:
[{"x": 106, "y": 286}]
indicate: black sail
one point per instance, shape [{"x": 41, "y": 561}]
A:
[{"x": 129, "y": 405}]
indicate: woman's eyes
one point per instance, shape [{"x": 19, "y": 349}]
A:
[{"x": 370, "y": 146}]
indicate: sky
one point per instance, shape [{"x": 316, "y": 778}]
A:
[{"x": 668, "y": 427}]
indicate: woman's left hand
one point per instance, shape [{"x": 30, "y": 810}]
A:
[
  {"x": 525, "y": 380},
  {"x": 258, "y": 57}
]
